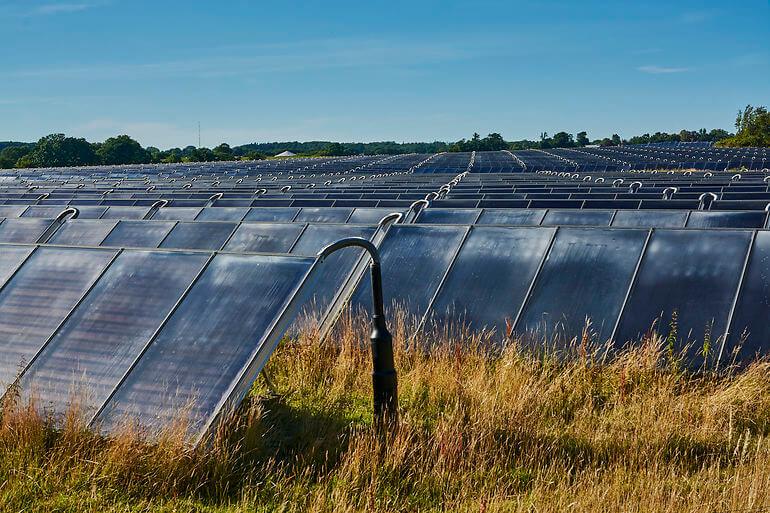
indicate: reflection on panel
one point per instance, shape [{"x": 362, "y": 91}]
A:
[
  {"x": 138, "y": 234},
  {"x": 370, "y": 215},
  {"x": 323, "y": 215},
  {"x": 577, "y": 218},
  {"x": 11, "y": 258},
  {"x": 199, "y": 235},
  {"x": 92, "y": 350},
  {"x": 176, "y": 213},
  {"x": 649, "y": 218},
  {"x": 692, "y": 273},
  {"x": 272, "y": 214},
  {"x": 264, "y": 237},
  {"x": 448, "y": 216},
  {"x": 26, "y": 231},
  {"x": 222, "y": 214},
  {"x": 332, "y": 273},
  {"x": 211, "y": 338},
  {"x": 529, "y": 217},
  {"x": 750, "y": 331},
  {"x": 125, "y": 212},
  {"x": 711, "y": 219},
  {"x": 39, "y": 297},
  {"x": 490, "y": 277},
  {"x": 585, "y": 276},
  {"x": 414, "y": 259},
  {"x": 82, "y": 232}
]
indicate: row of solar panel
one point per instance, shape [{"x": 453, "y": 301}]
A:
[
  {"x": 197, "y": 235},
  {"x": 551, "y": 280},
  {"x": 149, "y": 335}
]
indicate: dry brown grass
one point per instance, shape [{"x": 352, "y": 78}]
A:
[{"x": 480, "y": 431}]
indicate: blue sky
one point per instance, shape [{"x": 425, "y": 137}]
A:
[{"x": 364, "y": 71}]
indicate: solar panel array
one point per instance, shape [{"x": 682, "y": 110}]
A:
[{"x": 166, "y": 293}]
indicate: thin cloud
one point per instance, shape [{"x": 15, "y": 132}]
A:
[{"x": 661, "y": 70}]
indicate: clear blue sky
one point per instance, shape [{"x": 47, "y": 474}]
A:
[{"x": 372, "y": 70}]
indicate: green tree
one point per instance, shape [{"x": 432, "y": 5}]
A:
[
  {"x": 224, "y": 152},
  {"x": 582, "y": 139},
  {"x": 122, "y": 150},
  {"x": 57, "y": 150},
  {"x": 562, "y": 140},
  {"x": 616, "y": 141},
  {"x": 753, "y": 128},
  {"x": 12, "y": 154}
]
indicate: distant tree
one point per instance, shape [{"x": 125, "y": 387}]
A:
[
  {"x": 58, "y": 150},
  {"x": 224, "y": 152},
  {"x": 122, "y": 150},
  {"x": 753, "y": 128},
  {"x": 199, "y": 155},
  {"x": 582, "y": 139},
  {"x": 254, "y": 155},
  {"x": 12, "y": 154},
  {"x": 494, "y": 142},
  {"x": 333, "y": 150},
  {"x": 616, "y": 140},
  {"x": 562, "y": 140},
  {"x": 606, "y": 142}
]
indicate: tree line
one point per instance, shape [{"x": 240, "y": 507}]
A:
[{"x": 57, "y": 150}]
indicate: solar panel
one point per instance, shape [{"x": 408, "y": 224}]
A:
[
  {"x": 414, "y": 259},
  {"x": 199, "y": 356},
  {"x": 138, "y": 234},
  {"x": 272, "y": 214},
  {"x": 649, "y": 219},
  {"x": 515, "y": 217},
  {"x": 694, "y": 273},
  {"x": 749, "y": 330},
  {"x": 23, "y": 230},
  {"x": 585, "y": 276},
  {"x": 489, "y": 280},
  {"x": 82, "y": 232},
  {"x": 87, "y": 356},
  {"x": 39, "y": 297},
  {"x": 448, "y": 216},
  {"x": 199, "y": 235},
  {"x": 265, "y": 237},
  {"x": 577, "y": 218}
]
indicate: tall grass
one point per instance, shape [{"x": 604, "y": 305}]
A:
[{"x": 480, "y": 431}]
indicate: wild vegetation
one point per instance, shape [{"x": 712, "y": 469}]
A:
[{"x": 480, "y": 430}]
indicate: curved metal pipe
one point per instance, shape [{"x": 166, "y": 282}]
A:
[{"x": 384, "y": 378}]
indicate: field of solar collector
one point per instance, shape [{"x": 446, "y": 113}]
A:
[{"x": 147, "y": 299}]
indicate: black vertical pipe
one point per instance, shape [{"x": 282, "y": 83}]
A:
[{"x": 384, "y": 380}]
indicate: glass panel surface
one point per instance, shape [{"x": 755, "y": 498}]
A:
[
  {"x": 323, "y": 215},
  {"x": 370, "y": 215},
  {"x": 12, "y": 211},
  {"x": 585, "y": 276},
  {"x": 265, "y": 237},
  {"x": 222, "y": 214},
  {"x": 23, "y": 230},
  {"x": 694, "y": 273},
  {"x": 650, "y": 218},
  {"x": 212, "y": 336},
  {"x": 750, "y": 331},
  {"x": 491, "y": 276},
  {"x": 577, "y": 218},
  {"x": 82, "y": 232},
  {"x": 138, "y": 234},
  {"x": 39, "y": 297},
  {"x": 199, "y": 235},
  {"x": 176, "y": 214},
  {"x": 331, "y": 274},
  {"x": 271, "y": 214},
  {"x": 48, "y": 212},
  {"x": 94, "y": 348},
  {"x": 414, "y": 259},
  {"x": 126, "y": 212},
  {"x": 529, "y": 217},
  {"x": 710, "y": 219},
  {"x": 448, "y": 216},
  {"x": 11, "y": 258}
]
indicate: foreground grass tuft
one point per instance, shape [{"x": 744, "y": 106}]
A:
[{"x": 480, "y": 431}]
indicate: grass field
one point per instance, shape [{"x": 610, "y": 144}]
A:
[{"x": 479, "y": 432}]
